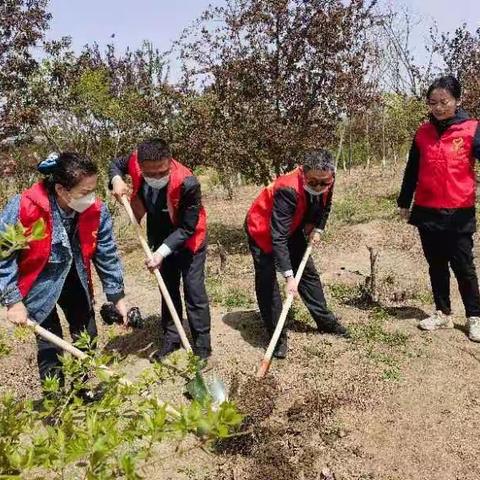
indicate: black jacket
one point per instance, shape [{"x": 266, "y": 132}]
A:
[
  {"x": 159, "y": 226},
  {"x": 461, "y": 220},
  {"x": 284, "y": 206}
]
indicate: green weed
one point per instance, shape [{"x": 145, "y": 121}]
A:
[
  {"x": 235, "y": 298},
  {"x": 229, "y": 297},
  {"x": 355, "y": 209},
  {"x": 381, "y": 346},
  {"x": 424, "y": 296},
  {"x": 344, "y": 293},
  {"x": 374, "y": 332},
  {"x": 5, "y": 348},
  {"x": 391, "y": 374}
]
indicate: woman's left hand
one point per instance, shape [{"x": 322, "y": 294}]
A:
[{"x": 121, "y": 306}]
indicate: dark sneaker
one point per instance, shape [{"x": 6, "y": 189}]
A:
[
  {"x": 167, "y": 349},
  {"x": 203, "y": 353},
  {"x": 281, "y": 348},
  {"x": 333, "y": 327}
]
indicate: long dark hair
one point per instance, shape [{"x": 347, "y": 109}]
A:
[{"x": 67, "y": 169}]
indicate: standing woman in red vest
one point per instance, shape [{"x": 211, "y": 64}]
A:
[
  {"x": 440, "y": 177},
  {"x": 169, "y": 195},
  {"x": 57, "y": 269},
  {"x": 294, "y": 208}
]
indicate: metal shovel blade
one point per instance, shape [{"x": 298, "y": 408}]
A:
[
  {"x": 217, "y": 390},
  {"x": 203, "y": 390}
]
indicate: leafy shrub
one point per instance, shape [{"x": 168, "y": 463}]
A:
[{"x": 112, "y": 437}]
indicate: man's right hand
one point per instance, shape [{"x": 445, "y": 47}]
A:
[
  {"x": 119, "y": 188},
  {"x": 17, "y": 314},
  {"x": 292, "y": 287}
]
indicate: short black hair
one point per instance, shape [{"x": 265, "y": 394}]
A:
[
  {"x": 320, "y": 159},
  {"x": 153, "y": 149},
  {"x": 449, "y": 83},
  {"x": 67, "y": 169}
]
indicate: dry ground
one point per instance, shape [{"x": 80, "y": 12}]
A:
[{"x": 393, "y": 403}]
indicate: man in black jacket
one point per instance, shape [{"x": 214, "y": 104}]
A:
[
  {"x": 169, "y": 195},
  {"x": 294, "y": 208}
]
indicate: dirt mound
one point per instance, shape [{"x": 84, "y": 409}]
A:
[
  {"x": 256, "y": 399},
  {"x": 314, "y": 408}
]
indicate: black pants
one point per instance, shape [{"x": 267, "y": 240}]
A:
[
  {"x": 444, "y": 249},
  {"x": 191, "y": 268},
  {"x": 268, "y": 291},
  {"x": 75, "y": 305}
]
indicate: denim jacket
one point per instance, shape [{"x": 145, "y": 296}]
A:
[{"x": 46, "y": 290}]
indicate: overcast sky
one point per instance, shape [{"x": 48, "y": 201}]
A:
[{"x": 162, "y": 21}]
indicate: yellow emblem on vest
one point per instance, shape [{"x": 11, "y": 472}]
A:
[{"x": 457, "y": 144}]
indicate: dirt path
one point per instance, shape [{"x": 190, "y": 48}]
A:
[{"x": 393, "y": 403}]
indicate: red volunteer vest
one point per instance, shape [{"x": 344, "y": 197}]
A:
[
  {"x": 35, "y": 204},
  {"x": 446, "y": 177},
  {"x": 259, "y": 215},
  {"x": 178, "y": 173}
]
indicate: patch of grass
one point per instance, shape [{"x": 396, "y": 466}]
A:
[
  {"x": 424, "y": 296},
  {"x": 355, "y": 209},
  {"x": 236, "y": 298},
  {"x": 229, "y": 297},
  {"x": 391, "y": 374},
  {"x": 379, "y": 314},
  {"x": 299, "y": 313},
  {"x": 314, "y": 351},
  {"x": 381, "y": 346},
  {"x": 374, "y": 332},
  {"x": 231, "y": 237},
  {"x": 5, "y": 348},
  {"x": 22, "y": 333},
  {"x": 343, "y": 293},
  {"x": 214, "y": 289}
]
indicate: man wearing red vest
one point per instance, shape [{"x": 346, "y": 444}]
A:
[
  {"x": 169, "y": 195},
  {"x": 440, "y": 174},
  {"x": 295, "y": 206}
]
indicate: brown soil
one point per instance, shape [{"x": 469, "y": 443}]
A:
[{"x": 398, "y": 404}]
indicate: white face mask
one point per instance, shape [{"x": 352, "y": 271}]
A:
[
  {"x": 82, "y": 203},
  {"x": 313, "y": 192},
  {"x": 157, "y": 183}
]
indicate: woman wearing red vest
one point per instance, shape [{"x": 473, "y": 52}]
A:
[
  {"x": 440, "y": 175},
  {"x": 169, "y": 195},
  {"x": 295, "y": 206},
  {"x": 57, "y": 269}
]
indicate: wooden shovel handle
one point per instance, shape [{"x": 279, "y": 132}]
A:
[
  {"x": 267, "y": 359},
  {"x": 158, "y": 276}
]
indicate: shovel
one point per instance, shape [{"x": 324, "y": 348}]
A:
[
  {"x": 267, "y": 359},
  {"x": 68, "y": 347},
  {"x": 218, "y": 392}
]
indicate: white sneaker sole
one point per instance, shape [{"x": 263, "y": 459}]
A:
[
  {"x": 446, "y": 326},
  {"x": 474, "y": 338}
]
